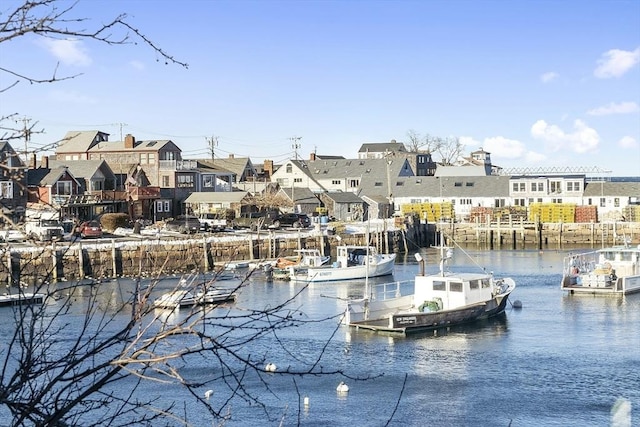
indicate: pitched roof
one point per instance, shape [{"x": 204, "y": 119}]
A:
[
  {"x": 343, "y": 197},
  {"x": 148, "y": 145},
  {"x": 77, "y": 141},
  {"x": 81, "y": 168},
  {"x": 607, "y": 188},
  {"x": 302, "y": 195},
  {"x": 381, "y": 147}
]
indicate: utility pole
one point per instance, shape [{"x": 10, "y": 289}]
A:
[
  {"x": 295, "y": 145},
  {"x": 213, "y": 143},
  {"x": 121, "y": 125}
]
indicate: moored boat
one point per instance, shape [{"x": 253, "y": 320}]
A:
[
  {"x": 352, "y": 262},
  {"x": 434, "y": 301},
  {"x": 178, "y": 298},
  {"x": 613, "y": 270},
  {"x": 22, "y": 298},
  {"x": 305, "y": 258}
]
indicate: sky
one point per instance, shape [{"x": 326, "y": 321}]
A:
[{"x": 541, "y": 85}]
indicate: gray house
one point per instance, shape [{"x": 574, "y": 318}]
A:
[{"x": 344, "y": 206}]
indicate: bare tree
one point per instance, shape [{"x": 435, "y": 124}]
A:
[
  {"x": 450, "y": 149},
  {"x": 84, "y": 357},
  {"x": 418, "y": 143},
  {"x": 55, "y": 19}
]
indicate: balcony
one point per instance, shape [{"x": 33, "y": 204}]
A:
[
  {"x": 178, "y": 165},
  {"x": 109, "y": 195},
  {"x": 143, "y": 193}
]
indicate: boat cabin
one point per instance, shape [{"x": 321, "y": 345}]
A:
[
  {"x": 438, "y": 292},
  {"x": 348, "y": 256}
]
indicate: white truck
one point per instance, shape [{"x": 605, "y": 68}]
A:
[
  {"x": 43, "y": 224},
  {"x": 213, "y": 221}
]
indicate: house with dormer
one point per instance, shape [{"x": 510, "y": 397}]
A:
[{"x": 81, "y": 189}]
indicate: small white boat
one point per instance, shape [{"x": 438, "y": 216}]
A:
[
  {"x": 178, "y": 298},
  {"x": 434, "y": 301},
  {"x": 613, "y": 270},
  {"x": 305, "y": 258},
  {"x": 352, "y": 262},
  {"x": 214, "y": 295},
  {"x": 21, "y": 298}
]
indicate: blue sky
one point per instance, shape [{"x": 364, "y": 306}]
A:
[{"x": 539, "y": 84}]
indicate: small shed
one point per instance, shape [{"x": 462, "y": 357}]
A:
[{"x": 344, "y": 206}]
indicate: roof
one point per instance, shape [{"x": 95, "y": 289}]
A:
[
  {"x": 607, "y": 188},
  {"x": 343, "y": 197},
  {"x": 381, "y": 147},
  {"x": 429, "y": 186},
  {"x": 78, "y": 141},
  {"x": 148, "y": 145},
  {"x": 47, "y": 176},
  {"x": 302, "y": 195},
  {"x": 81, "y": 168},
  {"x": 366, "y": 169}
]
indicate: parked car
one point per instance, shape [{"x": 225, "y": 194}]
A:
[
  {"x": 12, "y": 236},
  {"x": 255, "y": 220},
  {"x": 90, "y": 229},
  {"x": 185, "y": 224},
  {"x": 297, "y": 220}
]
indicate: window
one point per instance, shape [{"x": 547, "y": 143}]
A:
[
  {"x": 468, "y": 184},
  {"x": 455, "y": 286},
  {"x": 377, "y": 184},
  {"x": 152, "y": 158},
  {"x": 555, "y": 186},
  {"x": 573, "y": 186},
  {"x": 616, "y": 202},
  {"x": 167, "y": 206},
  {"x": 297, "y": 180},
  {"x": 64, "y": 188},
  {"x": 353, "y": 183},
  {"x": 6, "y": 190},
  {"x": 603, "y": 202},
  {"x": 289, "y": 168},
  {"x": 336, "y": 182},
  {"x": 518, "y": 202},
  {"x": 439, "y": 285},
  {"x": 457, "y": 184},
  {"x": 523, "y": 186},
  {"x": 159, "y": 206},
  {"x": 143, "y": 158},
  {"x": 514, "y": 187},
  {"x": 185, "y": 181},
  {"x": 474, "y": 284},
  {"x": 498, "y": 203},
  {"x": 554, "y": 200},
  {"x": 208, "y": 181}
]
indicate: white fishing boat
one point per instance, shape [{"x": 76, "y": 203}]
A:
[
  {"x": 612, "y": 270},
  {"x": 215, "y": 295},
  {"x": 352, "y": 262},
  {"x": 178, "y": 298},
  {"x": 22, "y": 298},
  {"x": 304, "y": 258},
  {"x": 431, "y": 301}
]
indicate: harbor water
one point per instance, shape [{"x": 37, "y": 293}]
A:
[{"x": 560, "y": 360}]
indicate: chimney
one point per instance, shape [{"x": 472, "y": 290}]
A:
[
  {"x": 268, "y": 168},
  {"x": 45, "y": 162},
  {"x": 312, "y": 157},
  {"x": 32, "y": 161},
  {"x": 231, "y": 156},
  {"x": 129, "y": 141}
]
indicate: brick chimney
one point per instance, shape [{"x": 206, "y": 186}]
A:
[
  {"x": 232, "y": 156},
  {"x": 268, "y": 168},
  {"x": 33, "y": 161},
  {"x": 129, "y": 141},
  {"x": 44, "y": 164},
  {"x": 312, "y": 157}
]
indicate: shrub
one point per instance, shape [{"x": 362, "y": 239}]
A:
[{"x": 111, "y": 221}]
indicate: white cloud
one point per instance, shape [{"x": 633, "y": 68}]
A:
[
  {"x": 613, "y": 108},
  {"x": 583, "y": 139},
  {"x": 503, "y": 147},
  {"x": 628, "y": 142},
  {"x": 616, "y": 63},
  {"x": 549, "y": 77},
  {"x": 72, "y": 97},
  {"x": 68, "y": 52}
]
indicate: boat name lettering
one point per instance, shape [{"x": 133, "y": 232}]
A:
[{"x": 406, "y": 319}]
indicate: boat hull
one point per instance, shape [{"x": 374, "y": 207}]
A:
[
  {"x": 333, "y": 273},
  {"x": 21, "y": 299}
]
